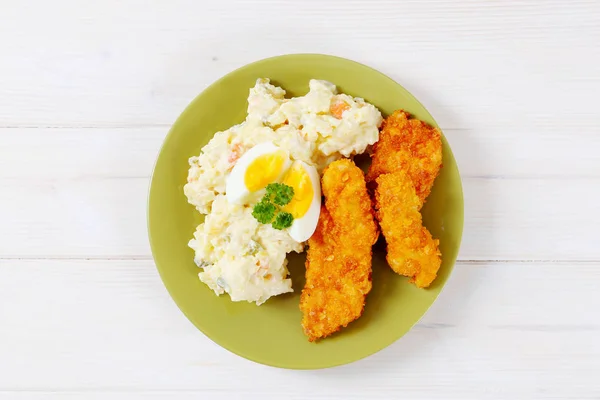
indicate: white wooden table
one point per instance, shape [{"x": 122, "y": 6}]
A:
[{"x": 88, "y": 91}]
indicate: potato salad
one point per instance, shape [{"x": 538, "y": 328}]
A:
[{"x": 258, "y": 184}]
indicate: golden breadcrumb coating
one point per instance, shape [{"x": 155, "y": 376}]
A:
[
  {"x": 410, "y": 145},
  {"x": 411, "y": 250},
  {"x": 338, "y": 264}
]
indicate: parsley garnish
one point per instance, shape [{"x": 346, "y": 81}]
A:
[
  {"x": 281, "y": 194},
  {"x": 269, "y": 207},
  {"x": 264, "y": 211},
  {"x": 283, "y": 220}
]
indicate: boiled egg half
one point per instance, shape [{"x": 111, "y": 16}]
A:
[
  {"x": 305, "y": 206},
  {"x": 263, "y": 164},
  {"x": 267, "y": 163}
]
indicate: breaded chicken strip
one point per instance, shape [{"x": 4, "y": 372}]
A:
[
  {"x": 411, "y": 250},
  {"x": 338, "y": 264},
  {"x": 409, "y": 145}
]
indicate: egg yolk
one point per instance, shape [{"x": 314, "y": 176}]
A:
[
  {"x": 264, "y": 170},
  {"x": 303, "y": 191}
]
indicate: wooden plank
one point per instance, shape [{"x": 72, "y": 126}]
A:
[
  {"x": 83, "y": 192},
  {"x": 504, "y": 220},
  {"x": 530, "y": 219},
  {"x": 99, "y": 153},
  {"x": 106, "y": 218},
  {"x": 108, "y": 329},
  {"x": 40, "y": 155},
  {"x": 116, "y": 63}
]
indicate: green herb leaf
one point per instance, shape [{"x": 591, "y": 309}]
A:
[
  {"x": 272, "y": 189},
  {"x": 280, "y": 193},
  {"x": 264, "y": 211},
  {"x": 283, "y": 220}
]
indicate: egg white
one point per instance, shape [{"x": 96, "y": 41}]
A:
[
  {"x": 303, "y": 228},
  {"x": 235, "y": 187}
]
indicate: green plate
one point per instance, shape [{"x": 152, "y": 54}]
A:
[{"x": 271, "y": 333}]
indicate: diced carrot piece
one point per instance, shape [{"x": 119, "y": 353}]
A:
[
  {"x": 338, "y": 108},
  {"x": 235, "y": 154}
]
